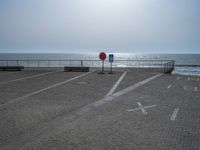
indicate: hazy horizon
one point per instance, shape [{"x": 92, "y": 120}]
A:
[{"x": 95, "y": 52}]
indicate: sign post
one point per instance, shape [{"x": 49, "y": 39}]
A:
[
  {"x": 111, "y": 59},
  {"x": 102, "y": 56}
]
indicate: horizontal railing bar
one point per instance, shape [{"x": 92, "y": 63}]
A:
[
  {"x": 89, "y": 60},
  {"x": 177, "y": 65}
]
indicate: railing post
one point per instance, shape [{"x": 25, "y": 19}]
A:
[
  {"x": 28, "y": 63},
  {"x": 48, "y": 64},
  {"x": 38, "y": 64},
  {"x": 168, "y": 67},
  {"x": 81, "y": 63},
  {"x": 59, "y": 63},
  {"x": 164, "y": 68}
]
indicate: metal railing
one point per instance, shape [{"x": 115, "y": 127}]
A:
[
  {"x": 169, "y": 66},
  {"x": 166, "y": 65}
]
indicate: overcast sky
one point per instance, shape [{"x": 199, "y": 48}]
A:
[{"x": 152, "y": 26}]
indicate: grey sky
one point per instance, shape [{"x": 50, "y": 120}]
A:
[{"x": 92, "y": 25}]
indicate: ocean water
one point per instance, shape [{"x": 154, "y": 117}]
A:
[{"x": 186, "y": 64}]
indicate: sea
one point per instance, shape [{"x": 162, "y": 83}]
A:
[{"x": 185, "y": 64}]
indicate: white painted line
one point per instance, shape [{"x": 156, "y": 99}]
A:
[
  {"x": 78, "y": 113},
  {"x": 133, "y": 87},
  {"x": 42, "y": 90},
  {"x": 169, "y": 86},
  {"x": 133, "y": 109},
  {"x": 174, "y": 114},
  {"x": 123, "y": 92},
  {"x": 150, "y": 106},
  {"x": 198, "y": 79},
  {"x": 116, "y": 84},
  {"x": 141, "y": 108},
  {"x": 29, "y": 77},
  {"x": 184, "y": 87},
  {"x": 188, "y": 78},
  {"x": 178, "y": 78},
  {"x": 117, "y": 94},
  {"x": 195, "y": 89}
]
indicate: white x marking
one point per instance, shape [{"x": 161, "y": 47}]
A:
[{"x": 142, "y": 108}]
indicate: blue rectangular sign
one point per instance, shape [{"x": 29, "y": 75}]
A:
[{"x": 111, "y": 57}]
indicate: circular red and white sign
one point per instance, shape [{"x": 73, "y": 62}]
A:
[{"x": 102, "y": 56}]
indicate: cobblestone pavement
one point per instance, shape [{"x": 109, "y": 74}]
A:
[{"x": 60, "y": 110}]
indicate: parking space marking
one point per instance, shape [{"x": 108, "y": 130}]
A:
[
  {"x": 116, "y": 84},
  {"x": 169, "y": 86},
  {"x": 142, "y": 108},
  {"x": 118, "y": 94},
  {"x": 178, "y": 78},
  {"x": 130, "y": 88},
  {"x": 174, "y": 114},
  {"x": 42, "y": 90},
  {"x": 188, "y": 78},
  {"x": 24, "y": 78},
  {"x": 195, "y": 89},
  {"x": 81, "y": 111},
  {"x": 198, "y": 79}
]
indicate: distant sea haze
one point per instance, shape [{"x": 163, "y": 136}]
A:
[{"x": 180, "y": 59}]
